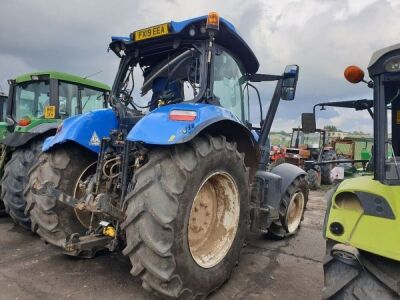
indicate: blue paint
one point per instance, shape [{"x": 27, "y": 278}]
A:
[
  {"x": 179, "y": 26},
  {"x": 157, "y": 129},
  {"x": 80, "y": 129},
  {"x": 255, "y": 134},
  {"x": 120, "y": 38}
]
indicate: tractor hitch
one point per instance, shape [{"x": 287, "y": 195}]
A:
[
  {"x": 95, "y": 204},
  {"x": 87, "y": 246}
]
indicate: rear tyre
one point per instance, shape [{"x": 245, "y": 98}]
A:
[
  {"x": 314, "y": 178},
  {"x": 63, "y": 166},
  {"x": 187, "y": 217},
  {"x": 15, "y": 180},
  {"x": 291, "y": 210},
  {"x": 327, "y": 168},
  {"x": 346, "y": 282},
  {"x": 2, "y": 209}
]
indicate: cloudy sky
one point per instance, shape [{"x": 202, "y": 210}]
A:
[{"x": 322, "y": 36}]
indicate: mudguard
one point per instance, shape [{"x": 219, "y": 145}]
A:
[
  {"x": 288, "y": 173},
  {"x": 87, "y": 130},
  {"x": 19, "y": 138},
  {"x": 156, "y": 128}
]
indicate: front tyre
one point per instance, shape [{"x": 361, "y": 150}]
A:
[
  {"x": 314, "y": 178},
  {"x": 15, "y": 181},
  {"x": 327, "y": 168},
  {"x": 347, "y": 282},
  {"x": 187, "y": 217},
  {"x": 291, "y": 210}
]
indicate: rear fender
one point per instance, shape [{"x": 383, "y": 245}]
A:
[
  {"x": 288, "y": 173},
  {"x": 86, "y": 130},
  {"x": 18, "y": 139},
  {"x": 157, "y": 129}
]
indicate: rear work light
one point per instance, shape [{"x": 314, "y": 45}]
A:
[{"x": 182, "y": 115}]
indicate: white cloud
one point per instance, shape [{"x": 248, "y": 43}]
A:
[{"x": 323, "y": 37}]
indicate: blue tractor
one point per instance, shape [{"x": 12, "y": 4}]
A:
[{"x": 176, "y": 175}]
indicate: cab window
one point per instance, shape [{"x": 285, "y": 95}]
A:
[
  {"x": 30, "y": 99},
  {"x": 227, "y": 87},
  {"x": 68, "y": 99},
  {"x": 91, "y": 99}
]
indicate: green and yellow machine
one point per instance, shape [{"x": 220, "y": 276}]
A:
[
  {"x": 3, "y": 132},
  {"x": 362, "y": 223},
  {"x": 3, "y": 108},
  {"x": 36, "y": 105}
]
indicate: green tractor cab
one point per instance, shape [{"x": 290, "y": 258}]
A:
[
  {"x": 4, "y": 128},
  {"x": 363, "y": 217},
  {"x": 36, "y": 105}
]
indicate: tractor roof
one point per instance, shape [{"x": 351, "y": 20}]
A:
[
  {"x": 227, "y": 37},
  {"x": 65, "y": 77},
  {"x": 381, "y": 52}
]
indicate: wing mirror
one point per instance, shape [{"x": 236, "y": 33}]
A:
[
  {"x": 308, "y": 123},
  {"x": 289, "y": 82}
]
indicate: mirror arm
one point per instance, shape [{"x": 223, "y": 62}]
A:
[
  {"x": 263, "y": 141},
  {"x": 262, "y": 77},
  {"x": 259, "y": 101}
]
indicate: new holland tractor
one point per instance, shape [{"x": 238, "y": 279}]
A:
[
  {"x": 178, "y": 183},
  {"x": 363, "y": 217},
  {"x": 37, "y": 104}
]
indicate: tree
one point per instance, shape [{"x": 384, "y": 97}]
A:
[{"x": 330, "y": 128}]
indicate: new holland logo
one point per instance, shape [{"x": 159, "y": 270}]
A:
[{"x": 94, "y": 140}]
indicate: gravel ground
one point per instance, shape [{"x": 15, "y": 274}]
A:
[{"x": 288, "y": 269}]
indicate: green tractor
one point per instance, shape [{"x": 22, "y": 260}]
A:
[
  {"x": 3, "y": 132},
  {"x": 37, "y": 104},
  {"x": 3, "y": 108},
  {"x": 363, "y": 217}
]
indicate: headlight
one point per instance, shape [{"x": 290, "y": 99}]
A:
[{"x": 393, "y": 65}]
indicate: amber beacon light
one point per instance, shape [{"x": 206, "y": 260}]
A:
[{"x": 213, "y": 21}]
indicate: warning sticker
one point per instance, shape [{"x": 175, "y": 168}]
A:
[
  {"x": 94, "y": 140},
  {"x": 49, "y": 112}
]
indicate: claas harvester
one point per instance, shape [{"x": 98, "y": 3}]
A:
[{"x": 363, "y": 218}]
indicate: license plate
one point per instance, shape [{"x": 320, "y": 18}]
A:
[
  {"x": 151, "y": 32},
  {"x": 50, "y": 112}
]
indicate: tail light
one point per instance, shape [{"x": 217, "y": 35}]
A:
[{"x": 182, "y": 115}]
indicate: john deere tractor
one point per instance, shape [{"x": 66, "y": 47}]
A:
[
  {"x": 37, "y": 104},
  {"x": 174, "y": 177},
  {"x": 3, "y": 133},
  {"x": 363, "y": 218}
]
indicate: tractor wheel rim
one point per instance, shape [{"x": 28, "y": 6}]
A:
[
  {"x": 214, "y": 219},
  {"x": 82, "y": 215},
  {"x": 295, "y": 212}
]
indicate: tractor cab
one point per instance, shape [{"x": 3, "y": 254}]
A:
[
  {"x": 384, "y": 70},
  {"x": 305, "y": 145},
  {"x": 3, "y": 109},
  {"x": 200, "y": 60},
  {"x": 48, "y": 97},
  {"x": 3, "y": 105}
]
